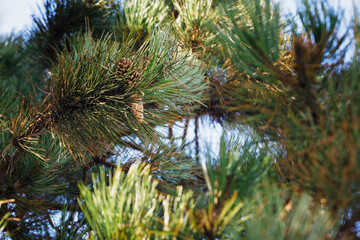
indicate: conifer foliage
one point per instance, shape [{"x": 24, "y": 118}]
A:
[{"x": 97, "y": 102}]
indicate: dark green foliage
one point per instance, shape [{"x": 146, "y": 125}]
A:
[
  {"x": 278, "y": 215},
  {"x": 13, "y": 76},
  {"x": 307, "y": 100},
  {"x": 10, "y": 61},
  {"x": 61, "y": 20}
]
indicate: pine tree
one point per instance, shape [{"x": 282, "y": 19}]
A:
[{"x": 96, "y": 102}]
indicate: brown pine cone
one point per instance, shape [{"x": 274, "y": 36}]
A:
[
  {"x": 137, "y": 107},
  {"x": 123, "y": 69}
]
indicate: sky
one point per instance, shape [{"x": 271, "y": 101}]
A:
[{"x": 15, "y": 15}]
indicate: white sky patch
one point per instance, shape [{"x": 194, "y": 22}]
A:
[{"x": 15, "y": 15}]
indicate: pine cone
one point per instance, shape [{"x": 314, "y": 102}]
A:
[
  {"x": 137, "y": 107},
  {"x": 123, "y": 69}
]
